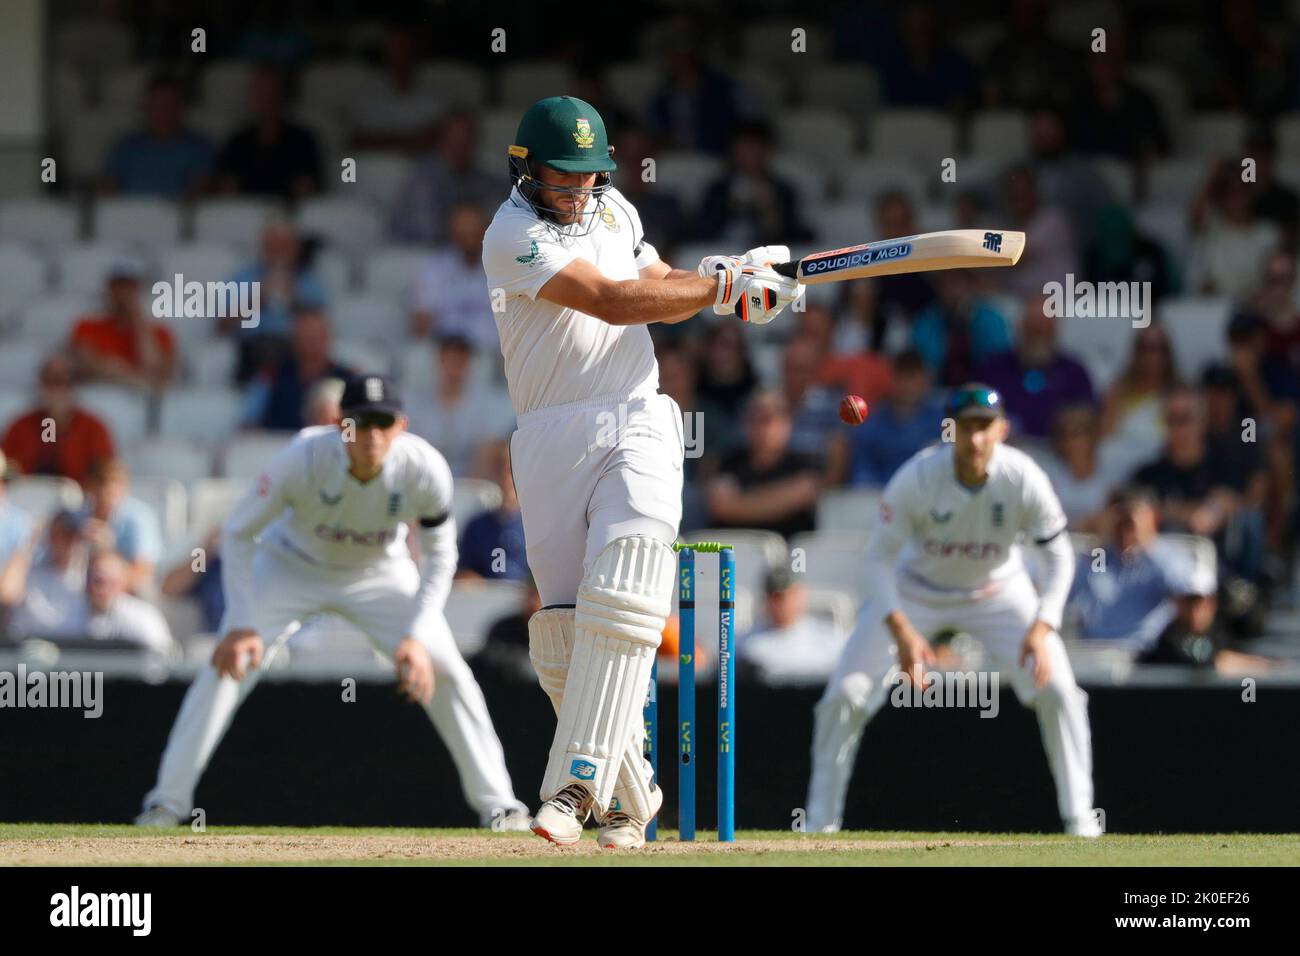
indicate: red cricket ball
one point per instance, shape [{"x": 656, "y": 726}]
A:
[{"x": 853, "y": 409}]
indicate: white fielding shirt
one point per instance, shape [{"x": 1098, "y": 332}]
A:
[
  {"x": 959, "y": 541},
  {"x": 555, "y": 355},
  {"x": 308, "y": 504}
]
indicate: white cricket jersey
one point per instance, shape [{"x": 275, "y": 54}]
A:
[
  {"x": 307, "y": 503},
  {"x": 554, "y": 355},
  {"x": 949, "y": 537}
]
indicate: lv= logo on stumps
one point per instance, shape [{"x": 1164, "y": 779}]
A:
[{"x": 686, "y": 722}]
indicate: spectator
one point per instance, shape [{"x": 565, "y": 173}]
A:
[
  {"x": 55, "y": 580},
  {"x": 959, "y": 331},
  {"x": 1132, "y": 417},
  {"x": 15, "y": 537},
  {"x": 446, "y": 177},
  {"x": 124, "y": 346},
  {"x": 270, "y": 156},
  {"x": 766, "y": 484},
  {"x": 106, "y": 611},
  {"x": 921, "y": 70},
  {"x": 1116, "y": 116},
  {"x": 492, "y": 544},
  {"x": 1118, "y": 252},
  {"x": 1231, "y": 238},
  {"x": 1028, "y": 63},
  {"x": 862, "y": 373},
  {"x": 449, "y": 295},
  {"x": 816, "y": 427},
  {"x": 276, "y": 398},
  {"x": 1272, "y": 201},
  {"x": 703, "y": 431},
  {"x": 459, "y": 414},
  {"x": 57, "y": 436},
  {"x": 1036, "y": 379},
  {"x": 661, "y": 213},
  {"x": 750, "y": 205},
  {"x": 1264, "y": 341},
  {"x": 402, "y": 115},
  {"x": 1081, "y": 468},
  {"x": 795, "y": 648},
  {"x": 890, "y": 301},
  {"x": 322, "y": 406},
  {"x": 165, "y": 158},
  {"x": 898, "y": 427},
  {"x": 1066, "y": 178},
  {"x": 201, "y": 582},
  {"x": 1054, "y": 250},
  {"x": 725, "y": 376},
  {"x": 114, "y": 521},
  {"x": 1147, "y": 591},
  {"x": 286, "y": 282},
  {"x": 697, "y": 106},
  {"x": 1202, "y": 494}
]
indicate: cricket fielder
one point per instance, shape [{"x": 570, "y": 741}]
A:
[
  {"x": 948, "y": 554},
  {"x": 597, "y": 455},
  {"x": 324, "y": 531}
]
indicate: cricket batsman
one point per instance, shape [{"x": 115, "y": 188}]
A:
[
  {"x": 324, "y": 530},
  {"x": 597, "y": 455},
  {"x": 947, "y": 553}
]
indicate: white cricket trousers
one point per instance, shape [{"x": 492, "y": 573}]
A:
[
  {"x": 378, "y": 601},
  {"x": 864, "y": 674}
]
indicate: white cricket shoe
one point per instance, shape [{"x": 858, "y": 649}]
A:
[
  {"x": 510, "y": 820},
  {"x": 560, "y": 818},
  {"x": 158, "y": 817},
  {"x": 1084, "y": 827},
  {"x": 621, "y": 831}
]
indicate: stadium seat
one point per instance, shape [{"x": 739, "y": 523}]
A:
[
  {"x": 850, "y": 88},
  {"x": 211, "y": 500},
  {"x": 168, "y": 499},
  {"x": 234, "y": 222},
  {"x": 91, "y": 41},
  {"x": 1166, "y": 88},
  {"x": 1212, "y": 134},
  {"x": 87, "y": 139},
  {"x": 925, "y": 136},
  {"x": 336, "y": 272},
  {"x": 224, "y": 84},
  {"x": 845, "y": 222},
  {"x": 124, "y": 410},
  {"x": 768, "y": 90},
  {"x": 42, "y": 495},
  {"x": 999, "y": 134},
  {"x": 198, "y": 262},
  {"x": 208, "y": 414},
  {"x": 217, "y": 123},
  {"x": 1071, "y": 24},
  {"x": 212, "y": 363},
  {"x": 82, "y": 268},
  {"x": 352, "y": 223},
  {"x": 496, "y": 131},
  {"x": 820, "y": 136},
  {"x": 686, "y": 175},
  {"x": 473, "y": 496},
  {"x": 246, "y": 455},
  {"x": 15, "y": 399},
  {"x": 865, "y": 177},
  {"x": 124, "y": 86},
  {"x": 474, "y": 606},
  {"x": 331, "y": 135},
  {"x": 179, "y": 458},
  {"x": 848, "y": 509},
  {"x": 49, "y": 319},
  {"x": 634, "y": 84},
  {"x": 834, "y": 607},
  {"x": 1198, "y": 331},
  {"x": 1174, "y": 44},
  {"x": 380, "y": 318},
  {"x": 147, "y": 221},
  {"x": 460, "y": 84},
  {"x": 360, "y": 353},
  {"x": 937, "y": 216},
  {"x": 1166, "y": 223},
  {"x": 46, "y": 222},
  {"x": 334, "y": 85},
  {"x": 1103, "y": 345},
  {"x": 380, "y": 177},
  {"x": 523, "y": 84},
  {"x": 390, "y": 272},
  {"x": 831, "y": 561},
  {"x": 20, "y": 360},
  {"x": 24, "y": 276},
  {"x": 1176, "y": 181},
  {"x": 1288, "y": 137},
  {"x": 811, "y": 182}
]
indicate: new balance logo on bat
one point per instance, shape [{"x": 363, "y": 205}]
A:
[
  {"x": 993, "y": 241},
  {"x": 863, "y": 257}
]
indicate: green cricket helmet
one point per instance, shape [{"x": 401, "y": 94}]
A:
[{"x": 568, "y": 135}]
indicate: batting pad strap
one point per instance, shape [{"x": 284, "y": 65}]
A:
[{"x": 623, "y": 603}]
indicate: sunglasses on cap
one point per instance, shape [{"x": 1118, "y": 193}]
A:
[
  {"x": 382, "y": 420},
  {"x": 975, "y": 401}
]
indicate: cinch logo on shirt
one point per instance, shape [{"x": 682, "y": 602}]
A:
[
  {"x": 962, "y": 549},
  {"x": 337, "y": 535}
]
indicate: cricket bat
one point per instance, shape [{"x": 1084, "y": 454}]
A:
[{"x": 952, "y": 249}]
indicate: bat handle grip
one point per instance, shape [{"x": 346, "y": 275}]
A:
[{"x": 788, "y": 269}]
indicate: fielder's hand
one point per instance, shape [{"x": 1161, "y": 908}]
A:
[
  {"x": 228, "y": 657},
  {"x": 915, "y": 654},
  {"x": 1035, "y": 646},
  {"x": 759, "y": 256},
  {"x": 755, "y": 293},
  {"x": 414, "y": 671}
]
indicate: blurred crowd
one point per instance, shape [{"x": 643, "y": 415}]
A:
[{"x": 1139, "y": 445}]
